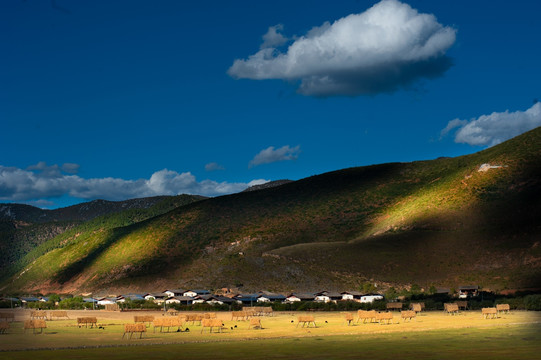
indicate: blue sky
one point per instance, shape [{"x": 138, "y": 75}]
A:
[{"x": 124, "y": 99}]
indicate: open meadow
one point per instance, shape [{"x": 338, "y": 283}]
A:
[{"x": 430, "y": 335}]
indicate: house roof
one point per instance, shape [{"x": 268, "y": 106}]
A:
[
  {"x": 246, "y": 297},
  {"x": 303, "y": 296},
  {"x": 210, "y": 297},
  {"x": 199, "y": 291},
  {"x": 469, "y": 287},
  {"x": 156, "y": 295},
  {"x": 223, "y": 299},
  {"x": 176, "y": 291},
  {"x": 182, "y": 298},
  {"x": 10, "y": 299},
  {"x": 132, "y": 297},
  {"x": 354, "y": 293},
  {"x": 107, "y": 299},
  {"x": 333, "y": 295},
  {"x": 29, "y": 299},
  {"x": 271, "y": 296}
]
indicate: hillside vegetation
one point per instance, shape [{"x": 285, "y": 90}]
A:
[
  {"x": 439, "y": 222},
  {"x": 27, "y": 232}
]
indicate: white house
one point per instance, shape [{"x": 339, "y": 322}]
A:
[
  {"x": 266, "y": 297},
  {"x": 186, "y": 300},
  {"x": 351, "y": 295},
  {"x": 299, "y": 297},
  {"x": 122, "y": 298},
  {"x": 194, "y": 293},
  {"x": 465, "y": 292},
  {"x": 327, "y": 297},
  {"x": 214, "y": 301},
  {"x": 106, "y": 301},
  {"x": 174, "y": 292},
  {"x": 158, "y": 298},
  {"x": 371, "y": 298}
]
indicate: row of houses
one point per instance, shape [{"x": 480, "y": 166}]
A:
[
  {"x": 227, "y": 297},
  {"x": 198, "y": 296},
  {"x": 189, "y": 297}
]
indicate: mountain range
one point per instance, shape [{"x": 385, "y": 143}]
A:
[{"x": 447, "y": 222}]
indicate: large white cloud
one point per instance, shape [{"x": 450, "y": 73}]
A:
[
  {"x": 387, "y": 47},
  {"x": 494, "y": 128},
  {"x": 270, "y": 155},
  {"x": 40, "y": 182}
]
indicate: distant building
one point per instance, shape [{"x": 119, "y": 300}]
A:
[
  {"x": 265, "y": 297},
  {"x": 132, "y": 297},
  {"x": 184, "y": 300},
  {"x": 351, "y": 295},
  {"x": 246, "y": 299},
  {"x": 370, "y": 298},
  {"x": 29, "y": 299},
  {"x": 296, "y": 297},
  {"x": 175, "y": 292},
  {"x": 106, "y": 301},
  {"x": 194, "y": 293},
  {"x": 327, "y": 296},
  {"x": 158, "y": 298},
  {"x": 468, "y": 291}
]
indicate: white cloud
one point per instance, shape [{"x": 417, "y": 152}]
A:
[
  {"x": 452, "y": 125},
  {"x": 273, "y": 38},
  {"x": 270, "y": 155},
  {"x": 495, "y": 128},
  {"x": 54, "y": 170},
  {"x": 40, "y": 182},
  {"x": 213, "y": 166},
  {"x": 383, "y": 49},
  {"x": 46, "y": 170}
]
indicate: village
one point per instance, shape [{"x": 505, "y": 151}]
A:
[{"x": 224, "y": 296}]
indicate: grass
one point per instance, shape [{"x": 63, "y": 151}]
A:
[{"x": 431, "y": 336}]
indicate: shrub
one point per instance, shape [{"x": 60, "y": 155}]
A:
[
  {"x": 74, "y": 303},
  {"x": 532, "y": 302},
  {"x": 6, "y": 304}
]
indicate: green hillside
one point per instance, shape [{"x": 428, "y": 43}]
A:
[
  {"x": 440, "y": 222},
  {"x": 27, "y": 236}
]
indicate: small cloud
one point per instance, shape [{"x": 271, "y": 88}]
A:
[
  {"x": 42, "y": 165},
  {"x": 213, "y": 166},
  {"x": 270, "y": 155},
  {"x": 42, "y": 203},
  {"x": 388, "y": 47},
  {"x": 489, "y": 130},
  {"x": 71, "y": 168},
  {"x": 273, "y": 38},
  {"x": 45, "y": 170}
]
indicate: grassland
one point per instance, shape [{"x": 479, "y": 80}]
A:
[{"x": 432, "y": 335}]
